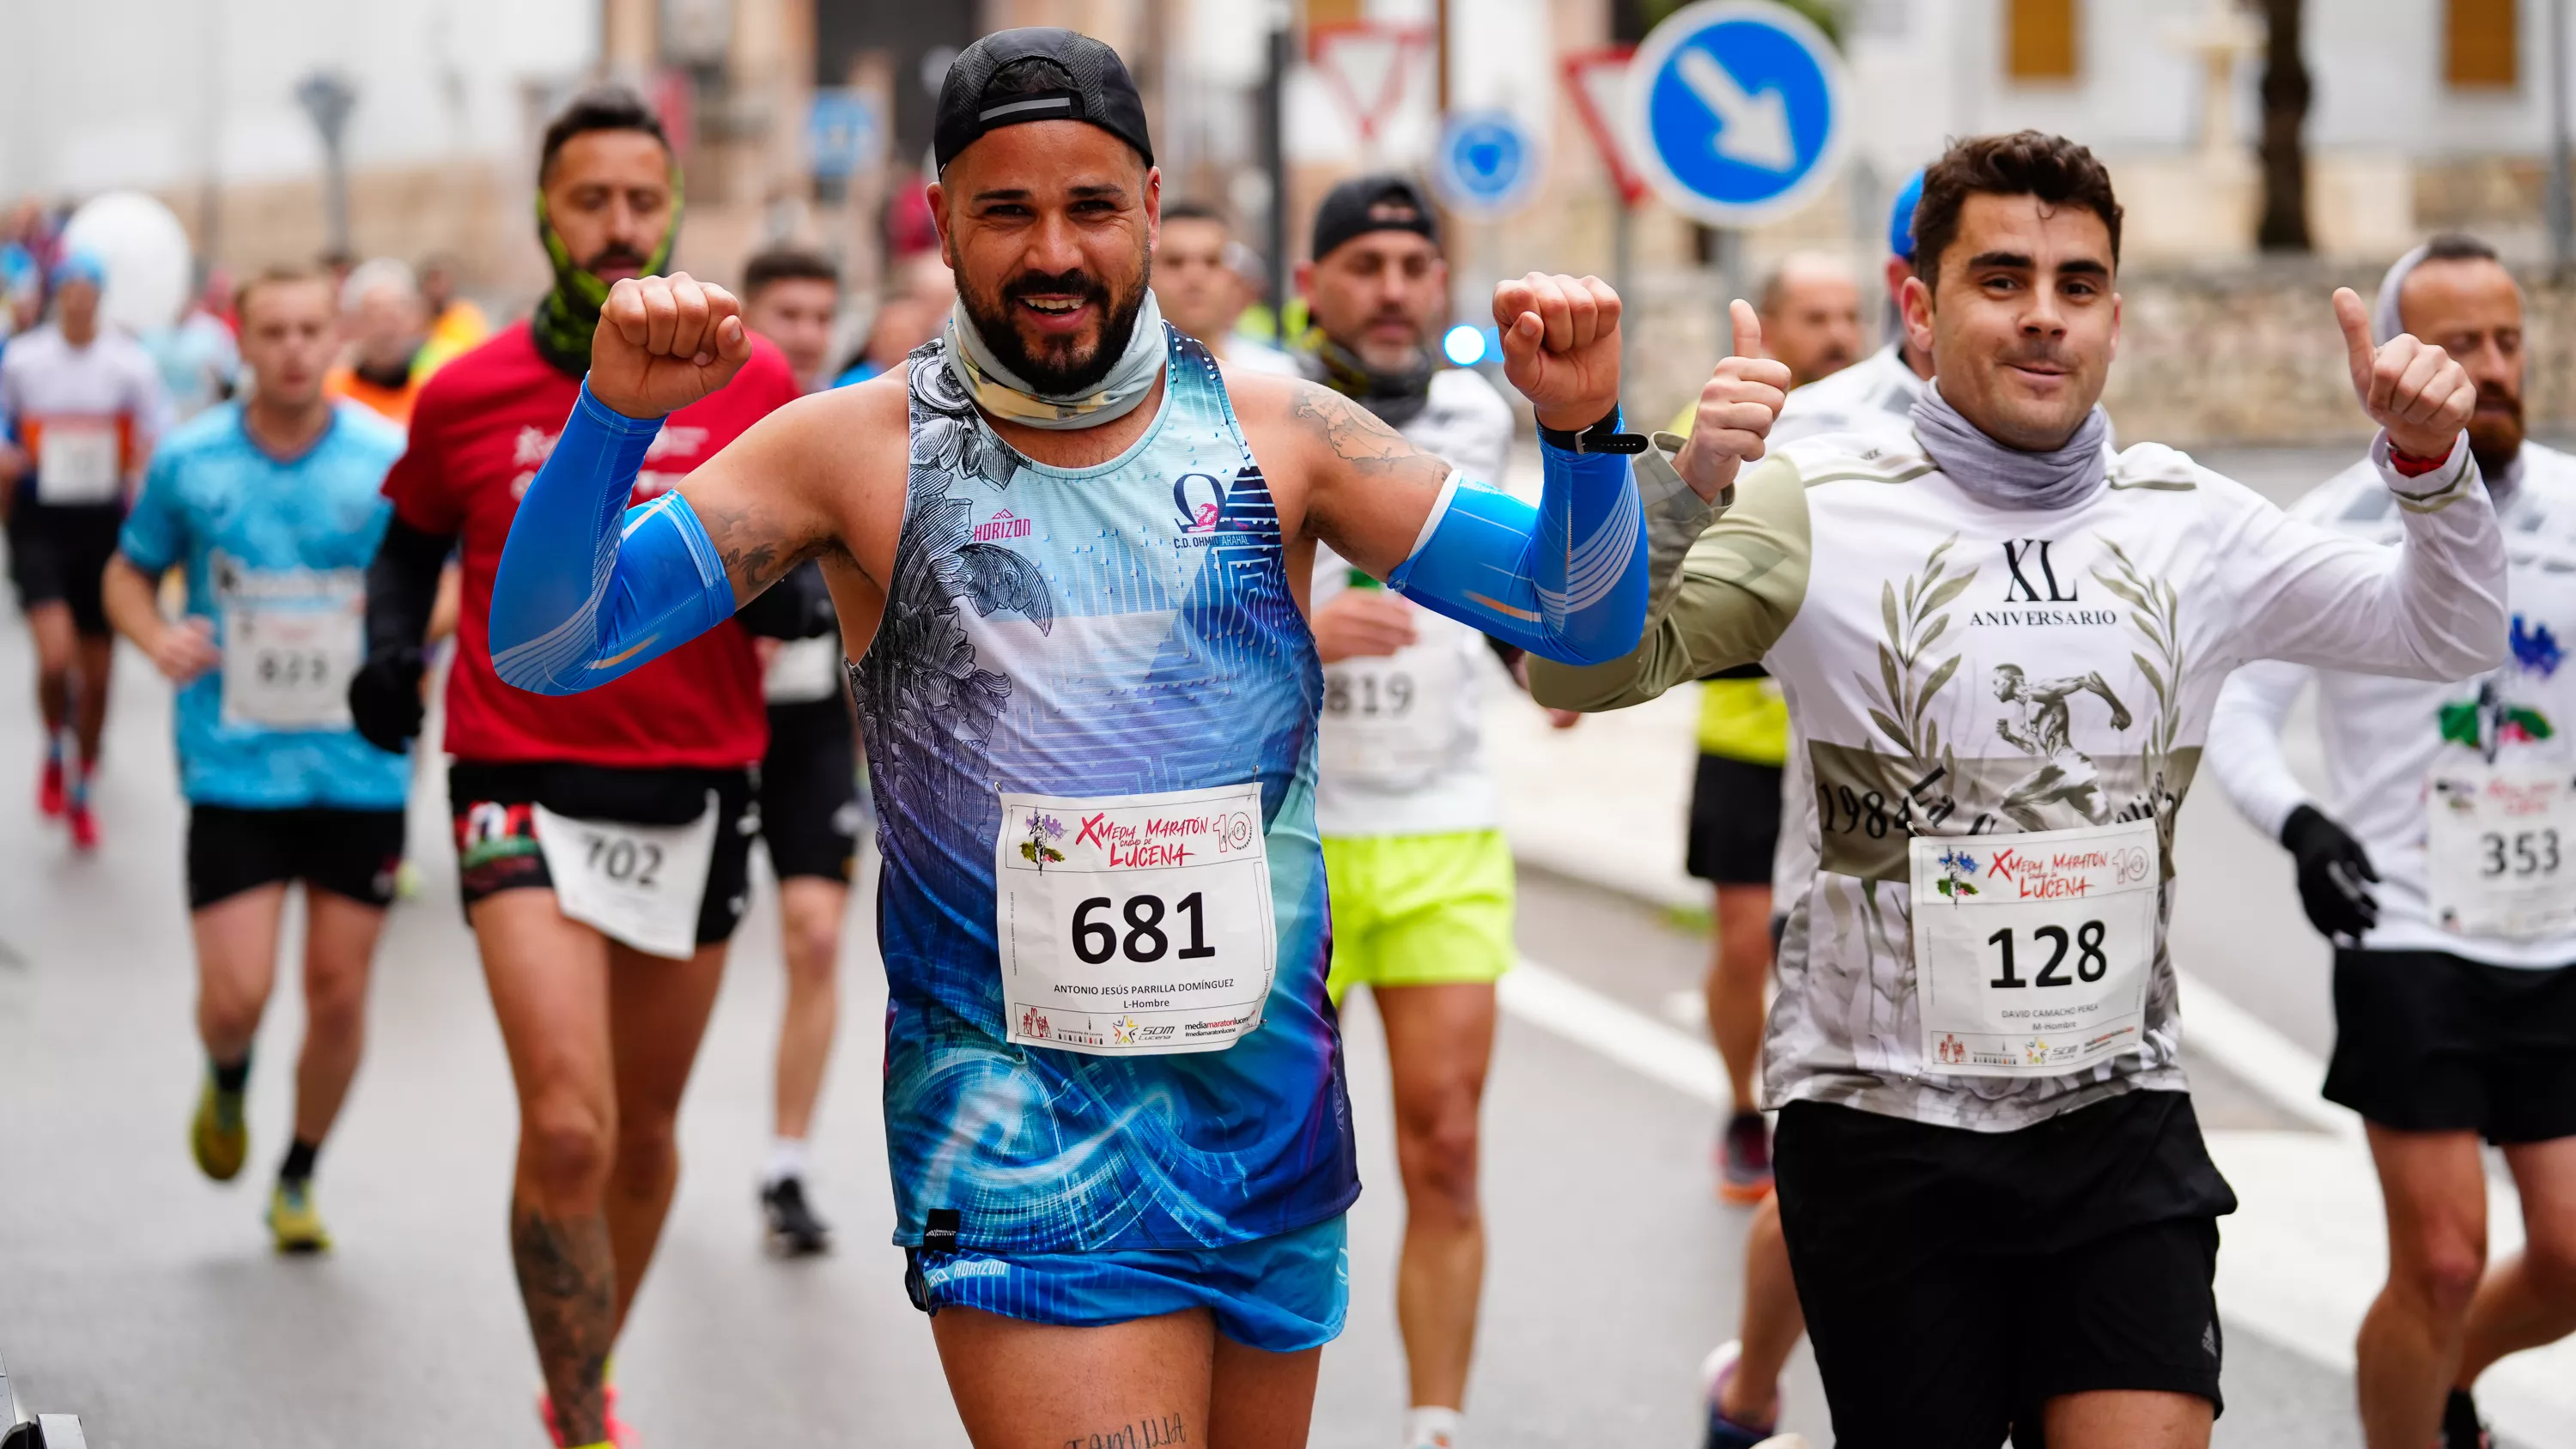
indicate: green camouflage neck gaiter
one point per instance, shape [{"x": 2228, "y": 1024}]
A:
[{"x": 569, "y": 312}]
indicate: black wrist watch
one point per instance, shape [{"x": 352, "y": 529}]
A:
[{"x": 1602, "y": 437}]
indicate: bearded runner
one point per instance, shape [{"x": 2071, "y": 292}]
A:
[
  {"x": 1119, "y": 1138},
  {"x": 2441, "y": 861},
  {"x": 602, "y": 842},
  {"x": 2000, "y": 646}
]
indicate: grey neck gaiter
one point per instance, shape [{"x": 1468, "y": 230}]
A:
[
  {"x": 2002, "y": 477},
  {"x": 1004, "y": 395}
]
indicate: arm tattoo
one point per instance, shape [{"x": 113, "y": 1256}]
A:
[
  {"x": 568, "y": 1280},
  {"x": 747, "y": 539},
  {"x": 1364, "y": 443},
  {"x": 1151, "y": 1432}
]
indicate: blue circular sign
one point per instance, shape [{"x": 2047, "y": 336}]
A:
[
  {"x": 1489, "y": 162},
  {"x": 1735, "y": 110}
]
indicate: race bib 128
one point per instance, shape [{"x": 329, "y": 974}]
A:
[{"x": 2032, "y": 952}]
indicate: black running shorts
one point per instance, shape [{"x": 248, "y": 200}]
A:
[
  {"x": 351, "y": 853},
  {"x": 1954, "y": 1282},
  {"x": 1734, "y": 821},
  {"x": 2428, "y": 1042},
  {"x": 492, "y": 808},
  {"x": 58, "y": 554},
  {"x": 809, "y": 790}
]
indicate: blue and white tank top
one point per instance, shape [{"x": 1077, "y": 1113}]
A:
[{"x": 1091, "y": 691}]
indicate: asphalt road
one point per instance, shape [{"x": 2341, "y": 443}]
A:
[{"x": 144, "y": 1298}]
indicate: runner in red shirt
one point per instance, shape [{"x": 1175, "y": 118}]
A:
[{"x": 602, "y": 838}]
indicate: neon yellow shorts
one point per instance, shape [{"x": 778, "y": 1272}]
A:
[{"x": 1419, "y": 910}]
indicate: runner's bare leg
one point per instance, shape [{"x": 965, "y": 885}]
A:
[
  {"x": 57, "y": 642},
  {"x": 1261, "y": 1400},
  {"x": 549, "y": 982},
  {"x": 658, "y": 1011},
  {"x": 810, "y": 912},
  {"x": 2435, "y": 1190},
  {"x": 1439, "y": 1042},
  {"x": 2126, "y": 1419},
  {"x": 1773, "y": 1321},
  {"x": 1022, "y": 1385},
  {"x": 339, "y": 947},
  {"x": 236, "y": 940},
  {"x": 2529, "y": 1299},
  {"x": 1739, "y": 967},
  {"x": 97, "y": 658}
]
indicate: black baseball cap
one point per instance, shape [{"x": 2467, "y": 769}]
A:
[
  {"x": 1365, "y": 204},
  {"x": 1072, "y": 78}
]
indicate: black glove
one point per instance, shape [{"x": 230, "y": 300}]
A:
[
  {"x": 384, "y": 699},
  {"x": 2332, "y": 867}
]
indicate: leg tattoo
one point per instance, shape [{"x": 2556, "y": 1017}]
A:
[
  {"x": 1151, "y": 1432},
  {"x": 568, "y": 1279}
]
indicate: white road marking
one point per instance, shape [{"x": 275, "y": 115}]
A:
[
  {"x": 2251, "y": 1051},
  {"x": 2304, "y": 1253}
]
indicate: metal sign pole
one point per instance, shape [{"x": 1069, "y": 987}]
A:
[
  {"x": 1274, "y": 159},
  {"x": 2562, "y": 188},
  {"x": 327, "y": 99}
]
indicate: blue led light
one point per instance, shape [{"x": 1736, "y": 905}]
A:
[{"x": 1464, "y": 344}]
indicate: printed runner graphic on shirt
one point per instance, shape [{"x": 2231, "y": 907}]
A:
[{"x": 1912, "y": 779}]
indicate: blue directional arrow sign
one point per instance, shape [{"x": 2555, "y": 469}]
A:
[
  {"x": 1736, "y": 110},
  {"x": 1488, "y": 163}
]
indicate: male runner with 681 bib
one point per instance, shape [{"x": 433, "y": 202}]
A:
[
  {"x": 2000, "y": 645},
  {"x": 1119, "y": 1139}
]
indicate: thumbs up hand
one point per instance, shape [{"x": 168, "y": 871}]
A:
[
  {"x": 1736, "y": 409},
  {"x": 2415, "y": 390}
]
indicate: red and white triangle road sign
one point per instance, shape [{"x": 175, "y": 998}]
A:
[
  {"x": 1365, "y": 64},
  {"x": 1596, "y": 79}
]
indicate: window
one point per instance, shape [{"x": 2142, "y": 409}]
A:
[
  {"x": 2478, "y": 43},
  {"x": 2039, "y": 40}
]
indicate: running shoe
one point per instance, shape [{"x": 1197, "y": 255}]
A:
[
  {"x": 49, "y": 790},
  {"x": 1715, "y": 1372},
  {"x": 2461, "y": 1428},
  {"x": 619, "y": 1436},
  {"x": 1744, "y": 1160},
  {"x": 293, "y": 1220},
  {"x": 794, "y": 1231},
  {"x": 84, "y": 825},
  {"x": 218, "y": 1137}
]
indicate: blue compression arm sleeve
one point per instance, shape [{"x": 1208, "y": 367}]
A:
[
  {"x": 588, "y": 588},
  {"x": 1565, "y": 580}
]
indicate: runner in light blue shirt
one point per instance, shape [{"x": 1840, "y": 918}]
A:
[{"x": 271, "y": 509}]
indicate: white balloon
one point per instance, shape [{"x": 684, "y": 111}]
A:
[{"x": 145, "y": 250}]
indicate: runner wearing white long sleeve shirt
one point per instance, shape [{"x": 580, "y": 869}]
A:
[
  {"x": 2001, "y": 648},
  {"x": 2442, "y": 860}
]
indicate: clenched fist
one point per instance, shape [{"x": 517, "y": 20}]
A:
[
  {"x": 2415, "y": 390},
  {"x": 1561, "y": 346},
  {"x": 1736, "y": 410},
  {"x": 665, "y": 342}
]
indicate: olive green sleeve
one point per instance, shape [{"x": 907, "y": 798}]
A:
[{"x": 1716, "y": 598}]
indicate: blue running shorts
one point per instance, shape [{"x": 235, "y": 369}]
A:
[{"x": 1282, "y": 1294}]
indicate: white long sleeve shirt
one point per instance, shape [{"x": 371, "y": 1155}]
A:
[
  {"x": 2386, "y": 738},
  {"x": 1908, "y": 624}
]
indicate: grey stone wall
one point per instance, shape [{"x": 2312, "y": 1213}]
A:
[{"x": 2242, "y": 356}]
